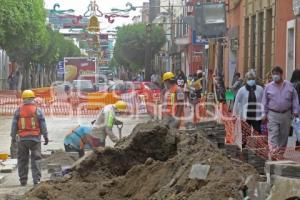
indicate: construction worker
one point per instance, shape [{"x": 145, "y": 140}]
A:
[
  {"x": 105, "y": 121},
  {"x": 173, "y": 101},
  {"x": 80, "y": 138},
  {"x": 197, "y": 84},
  {"x": 28, "y": 125}
]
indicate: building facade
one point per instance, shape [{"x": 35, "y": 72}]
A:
[
  {"x": 154, "y": 9},
  {"x": 145, "y": 12},
  {"x": 262, "y": 34}
]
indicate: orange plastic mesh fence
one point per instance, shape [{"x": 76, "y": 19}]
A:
[{"x": 243, "y": 135}]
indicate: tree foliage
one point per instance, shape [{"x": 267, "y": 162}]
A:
[
  {"x": 132, "y": 43},
  {"x": 27, "y": 39}
]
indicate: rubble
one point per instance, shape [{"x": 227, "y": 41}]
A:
[{"x": 153, "y": 163}]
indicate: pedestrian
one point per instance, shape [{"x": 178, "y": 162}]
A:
[
  {"x": 269, "y": 78},
  {"x": 237, "y": 83},
  {"x": 198, "y": 84},
  {"x": 247, "y": 105},
  {"x": 187, "y": 88},
  {"x": 28, "y": 125},
  {"x": 155, "y": 78},
  {"x": 180, "y": 78},
  {"x": 105, "y": 121},
  {"x": 280, "y": 103},
  {"x": 139, "y": 77},
  {"x": 80, "y": 138},
  {"x": 173, "y": 101},
  {"x": 295, "y": 80},
  {"x": 10, "y": 81}
]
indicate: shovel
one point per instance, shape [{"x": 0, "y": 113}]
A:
[{"x": 120, "y": 126}]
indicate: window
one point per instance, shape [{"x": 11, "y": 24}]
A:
[
  {"x": 260, "y": 44},
  {"x": 246, "y": 40},
  {"x": 268, "y": 41},
  {"x": 253, "y": 42}
]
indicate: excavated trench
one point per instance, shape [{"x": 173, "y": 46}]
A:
[{"x": 154, "y": 163}]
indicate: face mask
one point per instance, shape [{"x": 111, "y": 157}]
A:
[
  {"x": 251, "y": 82},
  {"x": 276, "y": 78}
]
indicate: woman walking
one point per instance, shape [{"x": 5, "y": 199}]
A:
[{"x": 247, "y": 105}]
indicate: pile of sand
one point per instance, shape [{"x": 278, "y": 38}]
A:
[
  {"x": 59, "y": 157},
  {"x": 153, "y": 163}
]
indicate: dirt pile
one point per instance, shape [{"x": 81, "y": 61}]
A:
[
  {"x": 59, "y": 157},
  {"x": 153, "y": 163}
]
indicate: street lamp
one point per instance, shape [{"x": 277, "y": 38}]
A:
[{"x": 148, "y": 66}]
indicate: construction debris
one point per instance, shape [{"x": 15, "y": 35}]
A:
[{"x": 154, "y": 163}]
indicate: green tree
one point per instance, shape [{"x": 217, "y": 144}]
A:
[
  {"x": 28, "y": 41},
  {"x": 58, "y": 48},
  {"x": 23, "y": 34},
  {"x": 131, "y": 44}
]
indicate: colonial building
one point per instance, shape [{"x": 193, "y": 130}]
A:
[{"x": 262, "y": 34}]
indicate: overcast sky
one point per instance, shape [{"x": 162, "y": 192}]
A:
[{"x": 80, "y": 7}]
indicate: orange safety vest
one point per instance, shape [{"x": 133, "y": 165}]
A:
[
  {"x": 170, "y": 101},
  {"x": 28, "y": 124}
]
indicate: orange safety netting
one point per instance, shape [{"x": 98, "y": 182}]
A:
[
  {"x": 243, "y": 135},
  {"x": 71, "y": 104}
]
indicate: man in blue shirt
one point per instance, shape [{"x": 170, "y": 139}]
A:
[{"x": 79, "y": 139}]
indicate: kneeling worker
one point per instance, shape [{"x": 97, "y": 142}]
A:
[
  {"x": 105, "y": 121},
  {"x": 80, "y": 139}
]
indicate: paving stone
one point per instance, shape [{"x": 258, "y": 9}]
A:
[
  {"x": 10, "y": 162},
  {"x": 199, "y": 172},
  {"x": 233, "y": 150},
  {"x": 284, "y": 169},
  {"x": 284, "y": 188},
  {"x": 209, "y": 124},
  {"x": 262, "y": 190},
  {"x": 6, "y": 169},
  {"x": 52, "y": 168}
]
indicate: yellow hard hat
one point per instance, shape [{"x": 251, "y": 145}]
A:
[
  {"x": 168, "y": 76},
  {"x": 27, "y": 94},
  {"x": 121, "y": 105}
]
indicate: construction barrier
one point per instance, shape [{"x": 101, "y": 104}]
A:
[
  {"x": 45, "y": 93},
  {"x": 243, "y": 135},
  {"x": 73, "y": 103},
  {"x": 142, "y": 107},
  {"x": 132, "y": 101},
  {"x": 97, "y": 100}
]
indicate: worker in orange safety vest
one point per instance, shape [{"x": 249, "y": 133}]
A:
[
  {"x": 28, "y": 126},
  {"x": 173, "y": 101}
]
